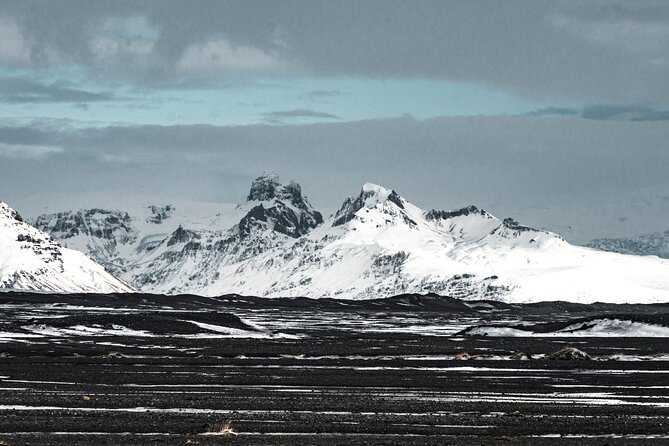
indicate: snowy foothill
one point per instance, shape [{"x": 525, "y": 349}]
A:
[{"x": 33, "y": 260}]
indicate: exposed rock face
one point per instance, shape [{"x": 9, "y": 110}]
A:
[
  {"x": 159, "y": 213},
  {"x": 264, "y": 188},
  {"x": 512, "y": 224},
  {"x": 103, "y": 232},
  {"x": 445, "y": 215},
  {"x": 283, "y": 208}
]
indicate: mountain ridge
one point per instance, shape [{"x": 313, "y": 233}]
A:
[{"x": 376, "y": 244}]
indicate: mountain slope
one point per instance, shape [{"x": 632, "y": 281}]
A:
[
  {"x": 377, "y": 244},
  {"x": 32, "y": 260}
]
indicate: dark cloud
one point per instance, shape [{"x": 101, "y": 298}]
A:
[
  {"x": 607, "y": 112},
  {"x": 606, "y": 50},
  {"x": 443, "y": 163},
  {"x": 280, "y": 116},
  {"x": 623, "y": 112},
  {"x": 18, "y": 90}
]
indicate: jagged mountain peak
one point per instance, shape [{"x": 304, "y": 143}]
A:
[
  {"x": 265, "y": 187},
  {"x": 371, "y": 196},
  {"x": 268, "y": 187},
  {"x": 374, "y": 194},
  {"x": 288, "y": 211}
]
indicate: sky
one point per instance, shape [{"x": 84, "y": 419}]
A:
[{"x": 508, "y": 105}]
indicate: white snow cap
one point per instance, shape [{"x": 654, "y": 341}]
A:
[
  {"x": 376, "y": 189},
  {"x": 374, "y": 194}
]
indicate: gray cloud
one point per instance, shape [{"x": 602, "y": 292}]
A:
[
  {"x": 606, "y": 50},
  {"x": 622, "y": 112},
  {"x": 607, "y": 112},
  {"x": 280, "y": 116},
  {"x": 18, "y": 90},
  {"x": 444, "y": 163}
]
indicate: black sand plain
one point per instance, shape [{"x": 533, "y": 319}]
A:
[{"x": 146, "y": 369}]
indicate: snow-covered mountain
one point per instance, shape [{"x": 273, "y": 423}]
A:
[
  {"x": 32, "y": 260},
  {"x": 377, "y": 244}
]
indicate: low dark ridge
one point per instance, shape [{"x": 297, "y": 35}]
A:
[
  {"x": 552, "y": 307},
  {"x": 403, "y": 302}
]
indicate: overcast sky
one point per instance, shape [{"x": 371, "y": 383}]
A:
[{"x": 503, "y": 104}]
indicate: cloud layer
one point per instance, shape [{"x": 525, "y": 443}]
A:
[
  {"x": 544, "y": 98},
  {"x": 616, "y": 51},
  {"x": 445, "y": 162}
]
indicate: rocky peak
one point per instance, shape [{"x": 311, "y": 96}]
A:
[
  {"x": 445, "y": 215},
  {"x": 371, "y": 195},
  {"x": 288, "y": 212},
  {"x": 181, "y": 235},
  {"x": 265, "y": 187}
]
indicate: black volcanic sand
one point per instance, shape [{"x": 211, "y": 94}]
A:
[{"x": 325, "y": 373}]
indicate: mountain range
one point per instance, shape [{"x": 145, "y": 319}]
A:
[
  {"x": 377, "y": 244},
  {"x": 656, "y": 243}
]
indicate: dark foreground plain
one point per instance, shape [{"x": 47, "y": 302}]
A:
[{"x": 245, "y": 371}]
